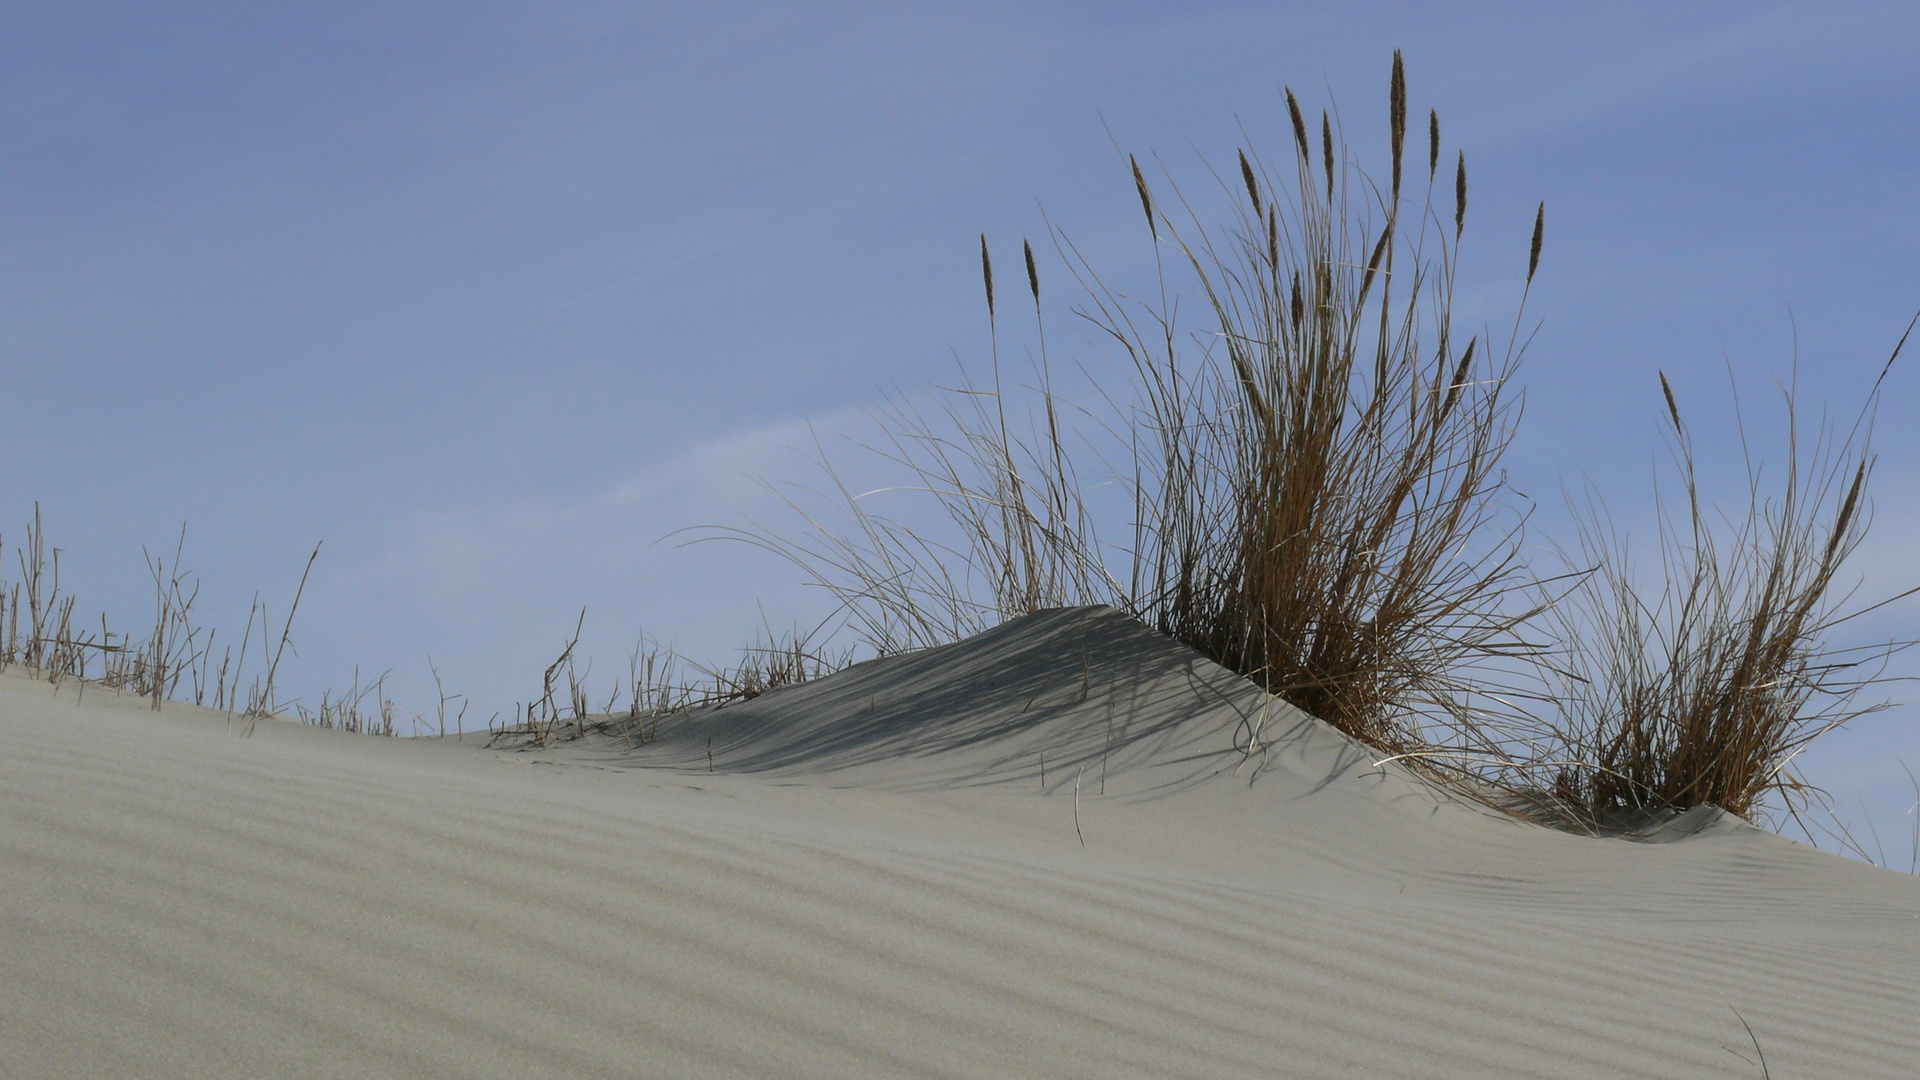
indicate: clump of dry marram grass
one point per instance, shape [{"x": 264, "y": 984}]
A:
[
  {"x": 1324, "y": 514},
  {"x": 1705, "y": 686},
  {"x": 1317, "y": 503}
]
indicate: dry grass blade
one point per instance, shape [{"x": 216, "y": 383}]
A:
[{"x": 261, "y": 703}]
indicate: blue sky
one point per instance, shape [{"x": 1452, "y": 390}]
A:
[{"x": 492, "y": 299}]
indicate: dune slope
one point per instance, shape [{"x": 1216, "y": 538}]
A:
[{"x": 869, "y": 877}]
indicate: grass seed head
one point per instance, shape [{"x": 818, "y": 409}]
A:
[
  {"x": 1673, "y": 408},
  {"x": 1373, "y": 264},
  {"x": 1460, "y": 197},
  {"x": 986, "y": 272},
  {"x": 1846, "y": 513},
  {"x": 1146, "y": 199},
  {"x": 1397, "y": 118},
  {"x": 1326, "y": 149},
  {"x": 1299, "y": 126},
  {"x": 1539, "y": 233},
  {"x": 1253, "y": 186},
  {"x": 1459, "y": 377},
  {"x": 1433, "y": 144}
]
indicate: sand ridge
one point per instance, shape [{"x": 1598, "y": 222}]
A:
[{"x": 873, "y": 881}]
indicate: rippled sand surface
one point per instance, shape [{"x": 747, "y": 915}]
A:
[{"x": 871, "y": 878}]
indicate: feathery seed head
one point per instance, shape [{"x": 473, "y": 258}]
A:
[
  {"x": 1373, "y": 264},
  {"x": 986, "y": 272},
  {"x": 1397, "y": 118},
  {"x": 1326, "y": 149},
  {"x": 1460, "y": 197},
  {"x": 1539, "y": 233},
  {"x": 1146, "y": 200},
  {"x": 1846, "y": 511},
  {"x": 1459, "y": 377},
  {"x": 1299, "y": 125},
  {"x": 1433, "y": 144}
]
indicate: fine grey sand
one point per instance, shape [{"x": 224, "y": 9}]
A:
[{"x": 874, "y": 881}]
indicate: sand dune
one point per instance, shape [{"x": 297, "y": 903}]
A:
[{"x": 873, "y": 880}]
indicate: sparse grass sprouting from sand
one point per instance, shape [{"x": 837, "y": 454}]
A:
[
  {"x": 352, "y": 712},
  {"x": 777, "y": 662},
  {"x": 660, "y": 684},
  {"x": 1705, "y": 686},
  {"x": 55, "y": 649},
  {"x": 174, "y": 651}
]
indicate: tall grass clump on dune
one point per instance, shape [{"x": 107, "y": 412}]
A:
[
  {"x": 1312, "y": 457},
  {"x": 1323, "y": 510},
  {"x": 1703, "y": 685}
]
